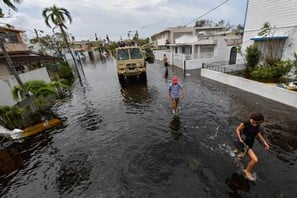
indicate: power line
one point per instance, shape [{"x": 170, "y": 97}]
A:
[{"x": 208, "y": 12}]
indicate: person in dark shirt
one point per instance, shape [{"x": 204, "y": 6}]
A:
[{"x": 251, "y": 130}]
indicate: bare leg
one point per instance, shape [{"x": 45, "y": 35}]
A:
[
  {"x": 253, "y": 161},
  {"x": 174, "y": 104}
]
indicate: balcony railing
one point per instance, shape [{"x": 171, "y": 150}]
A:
[{"x": 15, "y": 47}]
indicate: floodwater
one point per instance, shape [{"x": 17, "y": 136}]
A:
[{"x": 122, "y": 141}]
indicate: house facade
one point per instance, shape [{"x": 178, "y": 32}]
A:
[
  {"x": 21, "y": 56},
  {"x": 191, "y": 47},
  {"x": 282, "y": 17},
  {"x": 21, "y": 60}
]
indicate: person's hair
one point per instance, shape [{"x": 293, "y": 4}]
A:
[{"x": 257, "y": 116}]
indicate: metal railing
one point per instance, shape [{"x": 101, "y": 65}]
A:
[{"x": 223, "y": 67}]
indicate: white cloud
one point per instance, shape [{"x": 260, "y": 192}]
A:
[{"x": 117, "y": 17}]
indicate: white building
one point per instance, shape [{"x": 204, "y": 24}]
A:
[
  {"x": 191, "y": 47},
  {"x": 282, "y": 17}
]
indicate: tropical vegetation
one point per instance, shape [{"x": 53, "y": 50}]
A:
[
  {"x": 11, "y": 117},
  {"x": 39, "y": 88},
  {"x": 58, "y": 17},
  {"x": 11, "y": 4},
  {"x": 274, "y": 69},
  {"x": 252, "y": 56}
]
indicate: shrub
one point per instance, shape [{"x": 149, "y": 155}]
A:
[
  {"x": 252, "y": 55},
  {"x": 272, "y": 69},
  {"x": 66, "y": 73},
  {"x": 11, "y": 117}
]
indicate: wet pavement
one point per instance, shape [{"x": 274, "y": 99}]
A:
[{"x": 121, "y": 140}]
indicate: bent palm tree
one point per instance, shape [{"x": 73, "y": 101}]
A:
[{"x": 58, "y": 17}]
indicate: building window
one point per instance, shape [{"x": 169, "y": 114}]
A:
[
  {"x": 9, "y": 37},
  {"x": 206, "y": 51},
  {"x": 183, "y": 50}
]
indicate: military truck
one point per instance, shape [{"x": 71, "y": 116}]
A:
[
  {"x": 130, "y": 62},
  {"x": 149, "y": 55},
  {"x": 148, "y": 52}
]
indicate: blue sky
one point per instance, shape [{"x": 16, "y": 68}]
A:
[{"x": 117, "y": 17}]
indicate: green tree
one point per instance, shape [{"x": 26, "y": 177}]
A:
[
  {"x": 266, "y": 29},
  {"x": 53, "y": 42},
  {"x": 58, "y": 17}
]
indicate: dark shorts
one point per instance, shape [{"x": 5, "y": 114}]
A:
[
  {"x": 166, "y": 64},
  {"x": 249, "y": 141}
]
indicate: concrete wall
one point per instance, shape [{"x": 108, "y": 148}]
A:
[
  {"x": 6, "y": 85},
  {"x": 268, "y": 91}
]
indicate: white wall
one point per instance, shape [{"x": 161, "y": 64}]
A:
[
  {"x": 268, "y": 91},
  {"x": 6, "y": 85},
  {"x": 6, "y": 96},
  {"x": 186, "y": 38},
  {"x": 221, "y": 52},
  {"x": 281, "y": 14}
]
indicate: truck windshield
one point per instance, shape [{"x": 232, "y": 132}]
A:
[
  {"x": 122, "y": 54},
  {"x": 135, "y": 53}
]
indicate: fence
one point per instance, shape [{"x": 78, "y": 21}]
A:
[{"x": 224, "y": 67}]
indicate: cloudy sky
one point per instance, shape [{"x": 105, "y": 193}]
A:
[{"x": 117, "y": 17}]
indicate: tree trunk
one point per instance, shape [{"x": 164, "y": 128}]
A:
[{"x": 68, "y": 46}]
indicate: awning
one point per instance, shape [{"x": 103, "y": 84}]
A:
[
  {"x": 269, "y": 38},
  {"x": 28, "y": 58}
]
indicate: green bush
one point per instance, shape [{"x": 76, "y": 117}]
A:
[
  {"x": 271, "y": 69},
  {"x": 252, "y": 55},
  {"x": 66, "y": 73},
  {"x": 11, "y": 117},
  {"x": 295, "y": 64}
]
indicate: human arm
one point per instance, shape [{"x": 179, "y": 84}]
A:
[
  {"x": 261, "y": 138},
  {"x": 170, "y": 95},
  {"x": 238, "y": 131}
]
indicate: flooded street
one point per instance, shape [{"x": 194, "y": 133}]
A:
[{"x": 123, "y": 141}]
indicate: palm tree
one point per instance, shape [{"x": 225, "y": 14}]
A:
[
  {"x": 58, "y": 17},
  {"x": 10, "y": 4}
]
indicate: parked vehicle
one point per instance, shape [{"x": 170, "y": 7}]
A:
[{"x": 130, "y": 62}]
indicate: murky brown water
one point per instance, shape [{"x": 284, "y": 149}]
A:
[{"x": 122, "y": 141}]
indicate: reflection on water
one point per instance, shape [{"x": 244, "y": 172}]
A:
[
  {"x": 16, "y": 156},
  {"x": 121, "y": 140},
  {"x": 175, "y": 126},
  {"x": 74, "y": 171},
  {"x": 11, "y": 160},
  {"x": 166, "y": 73},
  {"x": 134, "y": 91},
  {"x": 237, "y": 182}
]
